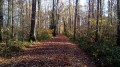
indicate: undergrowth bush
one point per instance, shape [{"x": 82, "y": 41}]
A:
[
  {"x": 105, "y": 54},
  {"x": 26, "y": 44},
  {"x": 44, "y": 35},
  {"x": 67, "y": 33},
  {"x": 10, "y": 48}
]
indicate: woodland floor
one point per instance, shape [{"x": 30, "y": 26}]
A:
[{"x": 56, "y": 52}]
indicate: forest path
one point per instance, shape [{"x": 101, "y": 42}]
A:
[{"x": 56, "y": 52}]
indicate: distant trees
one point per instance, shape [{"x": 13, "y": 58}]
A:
[
  {"x": 72, "y": 18},
  {"x": 32, "y": 30}
]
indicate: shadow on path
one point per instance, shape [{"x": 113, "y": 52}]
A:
[{"x": 55, "y": 52}]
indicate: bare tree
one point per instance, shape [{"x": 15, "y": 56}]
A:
[
  {"x": 57, "y": 16},
  {"x": 53, "y": 19},
  {"x": 38, "y": 16},
  {"x": 1, "y": 19},
  {"x": 118, "y": 16},
  {"x": 89, "y": 12},
  {"x": 8, "y": 22},
  {"x": 97, "y": 22},
  {"x": 75, "y": 20},
  {"x": 32, "y": 30},
  {"x": 110, "y": 11},
  {"x": 39, "y": 8},
  {"x": 12, "y": 19},
  {"x": 69, "y": 20}
]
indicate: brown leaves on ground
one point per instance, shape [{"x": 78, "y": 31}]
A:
[{"x": 56, "y": 52}]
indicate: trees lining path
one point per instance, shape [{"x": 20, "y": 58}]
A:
[{"x": 56, "y": 52}]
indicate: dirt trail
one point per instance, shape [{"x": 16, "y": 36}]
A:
[{"x": 55, "y": 52}]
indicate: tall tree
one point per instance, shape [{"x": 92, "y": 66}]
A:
[
  {"x": 53, "y": 19},
  {"x": 75, "y": 20},
  {"x": 38, "y": 19},
  {"x": 1, "y": 19},
  {"x": 118, "y": 16},
  {"x": 69, "y": 19},
  {"x": 22, "y": 22},
  {"x": 32, "y": 30},
  {"x": 110, "y": 11},
  {"x": 8, "y": 13},
  {"x": 92, "y": 8},
  {"x": 39, "y": 8},
  {"x": 97, "y": 22},
  {"x": 89, "y": 12},
  {"x": 57, "y": 17},
  {"x": 12, "y": 19}
]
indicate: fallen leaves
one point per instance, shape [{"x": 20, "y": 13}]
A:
[{"x": 55, "y": 52}]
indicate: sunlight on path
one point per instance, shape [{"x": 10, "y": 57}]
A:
[{"x": 55, "y": 52}]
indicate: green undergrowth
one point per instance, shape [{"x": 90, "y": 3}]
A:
[
  {"x": 68, "y": 34},
  {"x": 105, "y": 53},
  {"x": 44, "y": 35},
  {"x": 11, "y": 48}
]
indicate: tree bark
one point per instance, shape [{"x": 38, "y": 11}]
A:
[
  {"x": 39, "y": 8},
  {"x": 12, "y": 19},
  {"x": 53, "y": 18},
  {"x": 32, "y": 31},
  {"x": 8, "y": 23},
  {"x": 97, "y": 22},
  {"x": 89, "y": 11},
  {"x": 70, "y": 16},
  {"x": 57, "y": 17},
  {"x": 1, "y": 19},
  {"x": 118, "y": 27},
  {"x": 75, "y": 20}
]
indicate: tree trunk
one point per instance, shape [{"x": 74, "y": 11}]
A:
[
  {"x": 53, "y": 22},
  {"x": 38, "y": 17},
  {"x": 70, "y": 15},
  {"x": 32, "y": 31},
  {"x": 89, "y": 11},
  {"x": 57, "y": 17},
  {"x": 93, "y": 11},
  {"x": 97, "y": 22},
  {"x": 75, "y": 20},
  {"x": 39, "y": 8},
  {"x": 118, "y": 16},
  {"x": 64, "y": 26},
  {"x": 22, "y": 18},
  {"x": 12, "y": 19},
  {"x": 1, "y": 19},
  {"x": 8, "y": 23}
]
